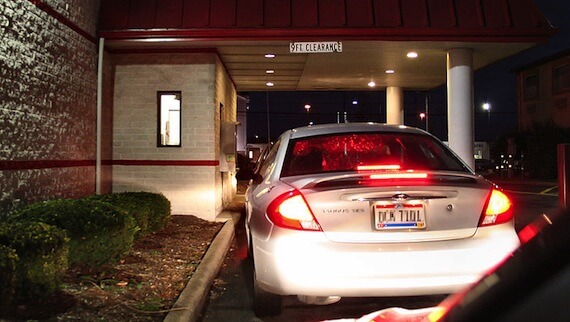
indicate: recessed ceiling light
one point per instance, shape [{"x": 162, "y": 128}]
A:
[
  {"x": 270, "y": 71},
  {"x": 412, "y": 54},
  {"x": 269, "y": 84},
  {"x": 269, "y": 55},
  {"x": 371, "y": 84},
  {"x": 390, "y": 71}
]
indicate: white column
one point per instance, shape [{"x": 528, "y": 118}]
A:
[
  {"x": 460, "y": 103},
  {"x": 394, "y": 105}
]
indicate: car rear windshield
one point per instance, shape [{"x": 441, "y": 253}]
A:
[{"x": 367, "y": 151}]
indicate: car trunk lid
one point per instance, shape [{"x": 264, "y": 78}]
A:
[{"x": 356, "y": 208}]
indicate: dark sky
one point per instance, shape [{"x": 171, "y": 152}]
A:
[{"x": 495, "y": 83}]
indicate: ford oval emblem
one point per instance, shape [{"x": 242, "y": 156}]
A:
[{"x": 400, "y": 196}]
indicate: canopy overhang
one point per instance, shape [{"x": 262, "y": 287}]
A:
[{"x": 376, "y": 36}]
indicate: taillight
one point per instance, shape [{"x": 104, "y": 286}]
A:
[
  {"x": 498, "y": 210},
  {"x": 290, "y": 210}
]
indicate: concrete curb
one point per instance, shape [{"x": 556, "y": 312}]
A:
[{"x": 192, "y": 299}]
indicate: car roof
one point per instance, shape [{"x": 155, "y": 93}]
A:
[{"x": 332, "y": 128}]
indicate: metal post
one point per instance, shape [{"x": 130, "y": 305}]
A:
[
  {"x": 427, "y": 112},
  {"x": 522, "y": 166},
  {"x": 564, "y": 176},
  {"x": 99, "y": 121},
  {"x": 268, "y": 122}
]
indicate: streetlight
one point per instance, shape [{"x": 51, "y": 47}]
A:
[
  {"x": 308, "y": 108},
  {"x": 487, "y": 107},
  {"x": 422, "y": 117}
]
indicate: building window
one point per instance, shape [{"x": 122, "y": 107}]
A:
[
  {"x": 561, "y": 79},
  {"x": 169, "y": 118},
  {"x": 531, "y": 87}
]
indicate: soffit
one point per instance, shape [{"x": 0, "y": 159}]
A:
[{"x": 241, "y": 32}]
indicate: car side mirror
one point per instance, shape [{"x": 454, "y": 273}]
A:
[{"x": 247, "y": 172}]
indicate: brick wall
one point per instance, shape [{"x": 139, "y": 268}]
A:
[{"x": 48, "y": 100}]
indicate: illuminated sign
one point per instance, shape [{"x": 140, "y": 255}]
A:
[{"x": 315, "y": 47}]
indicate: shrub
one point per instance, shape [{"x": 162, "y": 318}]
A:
[
  {"x": 160, "y": 209},
  {"x": 151, "y": 211},
  {"x": 99, "y": 232},
  {"x": 129, "y": 203},
  {"x": 8, "y": 262},
  {"x": 41, "y": 261}
]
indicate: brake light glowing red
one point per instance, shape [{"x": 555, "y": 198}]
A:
[
  {"x": 498, "y": 210},
  {"x": 290, "y": 210},
  {"x": 373, "y": 167},
  {"x": 400, "y": 175}
]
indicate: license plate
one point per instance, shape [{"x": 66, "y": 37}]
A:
[{"x": 399, "y": 216}]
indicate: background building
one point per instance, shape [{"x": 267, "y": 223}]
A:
[{"x": 544, "y": 91}]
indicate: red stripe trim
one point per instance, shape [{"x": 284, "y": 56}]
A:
[
  {"x": 59, "y": 17},
  {"x": 44, "y": 164},
  {"x": 7, "y": 165},
  {"x": 190, "y": 163},
  {"x": 126, "y": 51}
]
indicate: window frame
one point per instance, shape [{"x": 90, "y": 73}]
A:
[
  {"x": 267, "y": 159},
  {"x": 159, "y": 142},
  {"x": 556, "y": 80},
  {"x": 527, "y": 95}
]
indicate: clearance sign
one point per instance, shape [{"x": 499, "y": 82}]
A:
[{"x": 315, "y": 47}]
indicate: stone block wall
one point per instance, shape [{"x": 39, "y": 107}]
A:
[
  {"x": 48, "y": 98},
  {"x": 226, "y": 96},
  {"x": 189, "y": 176}
]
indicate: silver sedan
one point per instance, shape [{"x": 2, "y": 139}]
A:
[{"x": 362, "y": 209}]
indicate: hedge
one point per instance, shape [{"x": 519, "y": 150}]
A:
[
  {"x": 41, "y": 241},
  {"x": 99, "y": 232},
  {"x": 8, "y": 263},
  {"x": 35, "y": 254},
  {"x": 151, "y": 211}
]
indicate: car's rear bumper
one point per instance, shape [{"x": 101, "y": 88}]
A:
[{"x": 306, "y": 263}]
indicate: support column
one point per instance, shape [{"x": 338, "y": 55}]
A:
[
  {"x": 394, "y": 105},
  {"x": 460, "y": 103}
]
